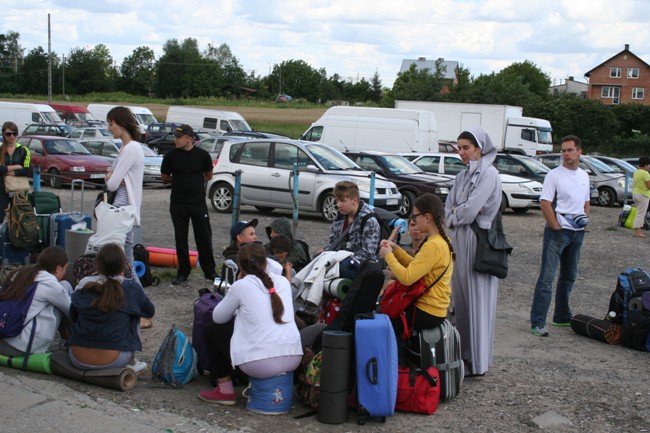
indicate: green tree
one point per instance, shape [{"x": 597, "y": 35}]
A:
[
  {"x": 32, "y": 74},
  {"x": 460, "y": 90},
  {"x": 90, "y": 70},
  {"x": 633, "y": 118},
  {"x": 182, "y": 72},
  {"x": 529, "y": 74},
  {"x": 499, "y": 89},
  {"x": 296, "y": 78},
  {"x": 375, "y": 88},
  {"x": 419, "y": 85},
  {"x": 138, "y": 72},
  {"x": 11, "y": 56}
]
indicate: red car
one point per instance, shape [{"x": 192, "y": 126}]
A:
[{"x": 63, "y": 159}]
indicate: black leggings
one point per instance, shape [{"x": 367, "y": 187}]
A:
[
  {"x": 217, "y": 343},
  {"x": 422, "y": 320}
]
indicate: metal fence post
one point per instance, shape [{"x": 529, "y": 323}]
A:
[
  {"x": 296, "y": 196},
  {"x": 235, "y": 198},
  {"x": 371, "y": 200}
]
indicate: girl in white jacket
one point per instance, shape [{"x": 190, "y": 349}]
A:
[
  {"x": 50, "y": 304},
  {"x": 264, "y": 340}
]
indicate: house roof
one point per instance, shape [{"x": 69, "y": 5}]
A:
[
  {"x": 448, "y": 66},
  {"x": 625, "y": 51}
]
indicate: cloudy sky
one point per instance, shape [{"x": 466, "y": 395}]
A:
[{"x": 352, "y": 38}]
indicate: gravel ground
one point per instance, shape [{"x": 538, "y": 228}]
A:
[{"x": 582, "y": 384}]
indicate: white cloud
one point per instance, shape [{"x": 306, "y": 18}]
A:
[{"x": 563, "y": 37}]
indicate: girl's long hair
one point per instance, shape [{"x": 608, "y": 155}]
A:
[
  {"x": 429, "y": 203},
  {"x": 11, "y": 126},
  {"x": 20, "y": 279},
  {"x": 124, "y": 117},
  {"x": 110, "y": 262},
  {"x": 252, "y": 260}
]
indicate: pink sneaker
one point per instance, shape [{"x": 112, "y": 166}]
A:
[{"x": 216, "y": 396}]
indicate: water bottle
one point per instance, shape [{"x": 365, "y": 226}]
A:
[{"x": 611, "y": 316}]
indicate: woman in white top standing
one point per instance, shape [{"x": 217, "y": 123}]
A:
[
  {"x": 264, "y": 341},
  {"x": 125, "y": 176},
  {"x": 51, "y": 302}
]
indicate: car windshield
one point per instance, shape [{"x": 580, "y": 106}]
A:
[
  {"x": 51, "y": 117},
  {"x": 145, "y": 119},
  {"x": 399, "y": 165},
  {"x": 331, "y": 159},
  {"x": 202, "y": 135},
  {"x": 105, "y": 132},
  {"x": 240, "y": 125},
  {"x": 597, "y": 164},
  {"x": 619, "y": 165},
  {"x": 66, "y": 147},
  {"x": 534, "y": 165},
  {"x": 206, "y": 144},
  {"x": 148, "y": 151},
  {"x": 545, "y": 136}
]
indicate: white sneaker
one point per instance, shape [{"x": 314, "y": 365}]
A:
[{"x": 139, "y": 367}]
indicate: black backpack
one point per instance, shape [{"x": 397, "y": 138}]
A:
[
  {"x": 631, "y": 283},
  {"x": 140, "y": 254},
  {"x": 387, "y": 222}
]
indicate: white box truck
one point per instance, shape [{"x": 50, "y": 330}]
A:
[
  {"x": 24, "y": 113},
  {"x": 143, "y": 116},
  {"x": 383, "y": 129},
  {"x": 215, "y": 121},
  {"x": 509, "y": 130}
]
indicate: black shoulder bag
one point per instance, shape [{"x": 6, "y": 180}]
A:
[{"x": 492, "y": 249}]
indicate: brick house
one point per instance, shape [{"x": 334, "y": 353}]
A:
[{"x": 622, "y": 79}]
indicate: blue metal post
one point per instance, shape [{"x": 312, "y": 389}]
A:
[
  {"x": 296, "y": 196},
  {"x": 371, "y": 200},
  {"x": 37, "y": 179},
  {"x": 626, "y": 186},
  {"x": 235, "y": 198}
]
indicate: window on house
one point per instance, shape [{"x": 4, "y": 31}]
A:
[
  {"x": 607, "y": 92},
  {"x": 615, "y": 72},
  {"x": 632, "y": 72},
  {"x": 638, "y": 92}
]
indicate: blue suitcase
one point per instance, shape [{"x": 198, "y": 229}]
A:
[
  {"x": 376, "y": 361},
  {"x": 60, "y": 222},
  {"x": 11, "y": 254}
]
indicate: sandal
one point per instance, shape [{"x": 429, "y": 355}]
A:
[{"x": 145, "y": 323}]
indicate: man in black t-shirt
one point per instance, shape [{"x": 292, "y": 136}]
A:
[{"x": 188, "y": 168}]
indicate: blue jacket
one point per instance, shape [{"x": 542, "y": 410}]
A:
[{"x": 116, "y": 331}]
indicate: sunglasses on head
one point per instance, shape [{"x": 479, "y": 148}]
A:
[{"x": 10, "y": 134}]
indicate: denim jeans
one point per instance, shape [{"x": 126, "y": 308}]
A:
[{"x": 560, "y": 248}]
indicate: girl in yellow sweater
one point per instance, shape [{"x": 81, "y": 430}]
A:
[{"x": 433, "y": 259}]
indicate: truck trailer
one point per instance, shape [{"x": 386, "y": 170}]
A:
[{"x": 509, "y": 130}]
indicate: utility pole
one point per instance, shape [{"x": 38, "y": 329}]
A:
[
  {"x": 63, "y": 77},
  {"x": 49, "y": 61}
]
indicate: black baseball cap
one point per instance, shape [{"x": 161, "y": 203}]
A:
[
  {"x": 240, "y": 226},
  {"x": 183, "y": 130}
]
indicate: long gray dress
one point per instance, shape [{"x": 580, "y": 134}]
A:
[{"x": 476, "y": 195}]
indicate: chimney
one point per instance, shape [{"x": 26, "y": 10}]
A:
[
  {"x": 627, "y": 47},
  {"x": 570, "y": 78},
  {"x": 422, "y": 59}
]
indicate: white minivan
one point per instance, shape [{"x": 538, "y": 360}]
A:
[
  {"x": 216, "y": 121},
  {"x": 143, "y": 116},
  {"x": 24, "y": 113}
]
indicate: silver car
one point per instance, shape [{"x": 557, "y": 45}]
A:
[{"x": 267, "y": 177}]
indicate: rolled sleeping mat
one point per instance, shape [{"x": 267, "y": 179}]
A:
[
  {"x": 334, "y": 377},
  {"x": 167, "y": 257},
  {"x": 37, "y": 362},
  {"x": 121, "y": 379},
  {"x": 338, "y": 287},
  {"x": 598, "y": 329},
  {"x": 139, "y": 268}
]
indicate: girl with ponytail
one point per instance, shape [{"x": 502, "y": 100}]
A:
[
  {"x": 432, "y": 261},
  {"x": 264, "y": 340}
]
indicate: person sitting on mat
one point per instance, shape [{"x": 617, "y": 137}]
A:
[
  {"x": 263, "y": 340},
  {"x": 106, "y": 311},
  {"x": 433, "y": 262},
  {"x": 50, "y": 305}
]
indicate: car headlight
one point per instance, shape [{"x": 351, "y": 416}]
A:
[
  {"x": 78, "y": 169},
  {"x": 526, "y": 188},
  {"x": 621, "y": 183},
  {"x": 152, "y": 167},
  {"x": 442, "y": 190},
  {"x": 363, "y": 184}
]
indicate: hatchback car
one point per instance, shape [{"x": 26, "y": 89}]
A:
[
  {"x": 94, "y": 132},
  {"x": 267, "y": 177},
  {"x": 519, "y": 194},
  {"x": 56, "y": 129},
  {"x": 213, "y": 145},
  {"x": 410, "y": 179},
  {"x": 609, "y": 183},
  {"x": 63, "y": 159},
  {"x": 164, "y": 144},
  {"x": 101, "y": 147},
  {"x": 108, "y": 150}
]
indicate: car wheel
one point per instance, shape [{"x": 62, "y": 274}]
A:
[
  {"x": 265, "y": 209},
  {"x": 54, "y": 179},
  {"x": 520, "y": 209},
  {"x": 221, "y": 197},
  {"x": 606, "y": 196},
  {"x": 504, "y": 203},
  {"x": 328, "y": 207},
  {"x": 408, "y": 198}
]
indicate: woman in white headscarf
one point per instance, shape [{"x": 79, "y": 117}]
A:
[{"x": 476, "y": 195}]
